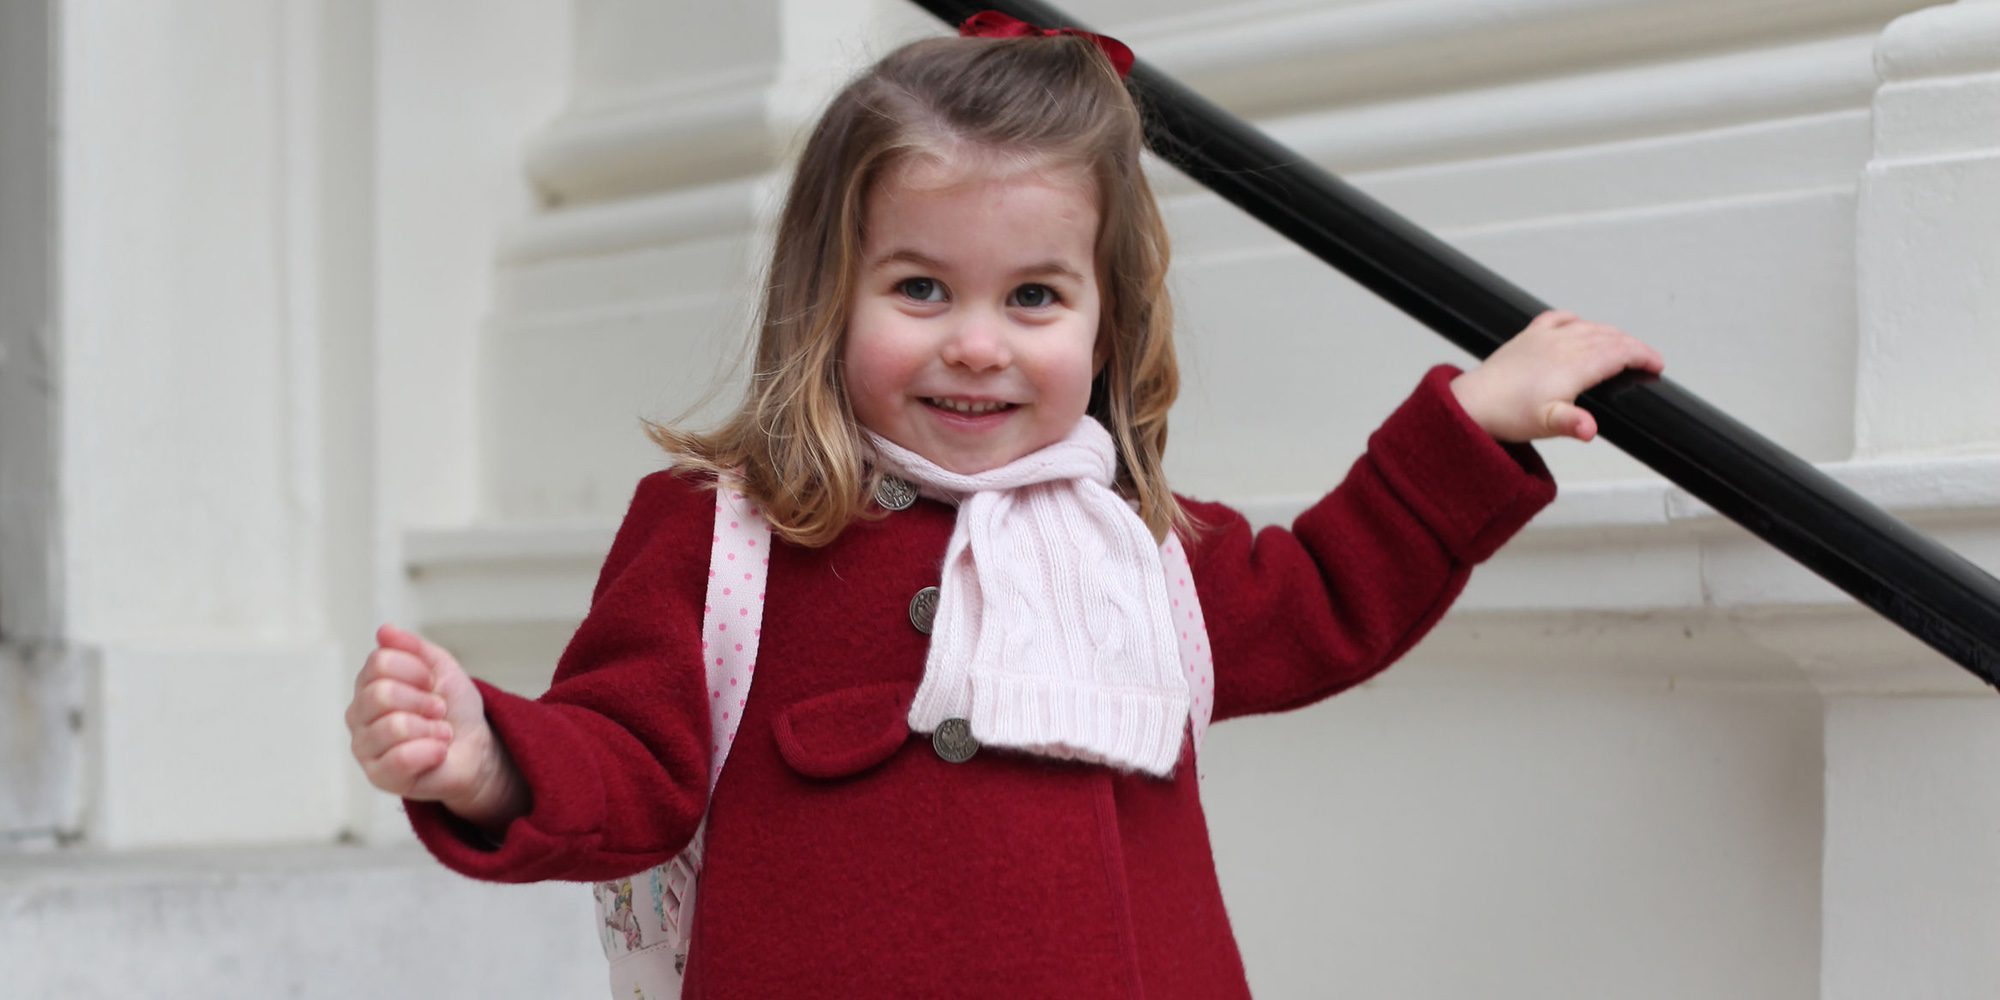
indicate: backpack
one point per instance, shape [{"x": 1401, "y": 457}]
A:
[{"x": 643, "y": 921}]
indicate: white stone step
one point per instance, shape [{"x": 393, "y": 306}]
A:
[{"x": 327, "y": 923}]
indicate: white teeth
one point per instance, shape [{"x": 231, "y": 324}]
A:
[{"x": 964, "y": 406}]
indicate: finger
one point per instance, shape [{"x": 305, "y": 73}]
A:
[
  {"x": 1554, "y": 318},
  {"x": 1618, "y": 335},
  {"x": 1596, "y": 333},
  {"x": 1650, "y": 359},
  {"x": 395, "y": 665},
  {"x": 392, "y": 637},
  {"x": 431, "y": 653},
  {"x": 1584, "y": 426},
  {"x": 1627, "y": 351},
  {"x": 386, "y": 695},
  {"x": 386, "y": 733},
  {"x": 398, "y": 770},
  {"x": 1562, "y": 419}
]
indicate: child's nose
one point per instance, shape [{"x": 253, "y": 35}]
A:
[{"x": 978, "y": 343}]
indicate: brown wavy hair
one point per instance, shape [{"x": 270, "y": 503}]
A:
[{"x": 793, "y": 442}]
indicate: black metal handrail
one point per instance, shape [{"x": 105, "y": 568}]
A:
[{"x": 1930, "y": 591}]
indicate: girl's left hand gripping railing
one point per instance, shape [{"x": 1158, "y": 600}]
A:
[{"x": 1930, "y": 591}]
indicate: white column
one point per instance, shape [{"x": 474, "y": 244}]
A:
[
  {"x": 40, "y": 742},
  {"x": 276, "y": 225},
  {"x": 1911, "y": 890},
  {"x": 1929, "y": 238},
  {"x": 190, "y": 558}
]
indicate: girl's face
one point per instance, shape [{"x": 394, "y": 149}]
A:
[{"x": 973, "y": 328}]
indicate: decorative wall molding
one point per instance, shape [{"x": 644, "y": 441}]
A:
[
  {"x": 1928, "y": 266},
  {"x": 1593, "y": 108},
  {"x": 510, "y": 573},
  {"x": 698, "y": 133},
  {"x": 1649, "y": 175},
  {"x": 687, "y": 214},
  {"x": 1399, "y": 83},
  {"x": 1940, "y": 95},
  {"x": 1303, "y": 55},
  {"x": 1943, "y": 40}
]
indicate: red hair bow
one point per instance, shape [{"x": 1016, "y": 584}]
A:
[{"x": 994, "y": 24}]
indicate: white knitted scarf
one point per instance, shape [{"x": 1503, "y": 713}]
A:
[{"x": 1053, "y": 633}]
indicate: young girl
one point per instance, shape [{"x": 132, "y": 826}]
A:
[{"x": 966, "y": 303}]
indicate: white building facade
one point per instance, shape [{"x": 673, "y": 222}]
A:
[{"x": 320, "y": 313}]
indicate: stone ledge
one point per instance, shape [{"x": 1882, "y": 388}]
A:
[
  {"x": 684, "y": 215},
  {"x": 707, "y": 131},
  {"x": 327, "y": 923},
  {"x": 1356, "y": 53},
  {"x": 1630, "y": 557}
]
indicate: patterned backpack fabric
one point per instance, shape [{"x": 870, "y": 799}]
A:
[{"x": 643, "y": 921}]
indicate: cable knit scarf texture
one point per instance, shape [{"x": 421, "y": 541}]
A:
[{"x": 1053, "y": 633}]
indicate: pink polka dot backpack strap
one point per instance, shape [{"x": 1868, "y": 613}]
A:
[
  {"x": 1196, "y": 657},
  {"x": 644, "y": 920}
]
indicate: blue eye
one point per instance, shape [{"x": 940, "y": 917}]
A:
[
  {"x": 921, "y": 289},
  {"x": 1034, "y": 296}
]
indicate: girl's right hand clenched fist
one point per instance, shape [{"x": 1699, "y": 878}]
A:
[{"x": 419, "y": 731}]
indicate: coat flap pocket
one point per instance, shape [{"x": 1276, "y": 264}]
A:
[{"x": 845, "y": 732}]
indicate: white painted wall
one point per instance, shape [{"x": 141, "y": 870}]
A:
[
  {"x": 455, "y": 91},
  {"x": 357, "y": 307},
  {"x": 1447, "y": 835}
]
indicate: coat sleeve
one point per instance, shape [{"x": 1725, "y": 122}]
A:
[
  {"x": 615, "y": 753},
  {"x": 1296, "y": 616}
]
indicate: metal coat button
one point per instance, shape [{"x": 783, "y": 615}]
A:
[
  {"x": 953, "y": 741},
  {"x": 923, "y": 609},
  {"x": 894, "y": 494}
]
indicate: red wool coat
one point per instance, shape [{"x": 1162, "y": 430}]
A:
[{"x": 845, "y": 858}]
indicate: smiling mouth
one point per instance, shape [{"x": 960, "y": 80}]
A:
[{"x": 968, "y": 407}]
